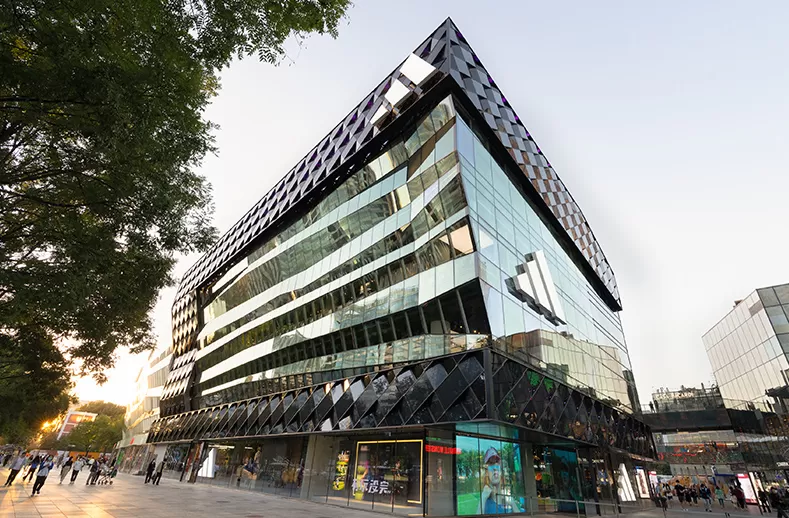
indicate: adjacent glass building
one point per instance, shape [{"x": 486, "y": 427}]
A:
[
  {"x": 748, "y": 347},
  {"x": 416, "y": 319}
]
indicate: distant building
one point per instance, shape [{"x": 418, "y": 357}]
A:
[
  {"x": 144, "y": 409},
  {"x": 665, "y": 400},
  {"x": 71, "y": 420},
  {"x": 698, "y": 433},
  {"x": 748, "y": 347}
]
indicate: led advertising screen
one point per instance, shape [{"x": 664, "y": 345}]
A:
[{"x": 489, "y": 477}]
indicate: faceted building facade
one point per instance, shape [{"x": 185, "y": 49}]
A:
[{"x": 417, "y": 319}]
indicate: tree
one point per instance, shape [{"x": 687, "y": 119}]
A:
[
  {"x": 50, "y": 441},
  {"x": 34, "y": 383},
  {"x": 98, "y": 435},
  {"x": 101, "y": 129},
  {"x": 103, "y": 408}
]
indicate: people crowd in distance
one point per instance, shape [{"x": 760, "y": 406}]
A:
[
  {"x": 101, "y": 471},
  {"x": 771, "y": 499}
]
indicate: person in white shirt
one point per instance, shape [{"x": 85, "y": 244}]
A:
[
  {"x": 16, "y": 466},
  {"x": 75, "y": 469},
  {"x": 43, "y": 473},
  {"x": 157, "y": 476}
]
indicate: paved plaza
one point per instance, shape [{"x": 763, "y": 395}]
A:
[{"x": 128, "y": 497}]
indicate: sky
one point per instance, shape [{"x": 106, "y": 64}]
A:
[{"x": 668, "y": 122}]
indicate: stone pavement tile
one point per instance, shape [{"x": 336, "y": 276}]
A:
[{"x": 128, "y": 497}]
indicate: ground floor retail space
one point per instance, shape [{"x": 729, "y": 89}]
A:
[{"x": 465, "y": 469}]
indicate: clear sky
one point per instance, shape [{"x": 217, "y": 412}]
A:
[{"x": 668, "y": 122}]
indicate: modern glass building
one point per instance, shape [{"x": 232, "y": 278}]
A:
[
  {"x": 748, "y": 347},
  {"x": 416, "y": 319}
]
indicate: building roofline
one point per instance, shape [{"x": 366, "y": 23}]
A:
[{"x": 350, "y": 142}]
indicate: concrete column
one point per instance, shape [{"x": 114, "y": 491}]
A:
[
  {"x": 320, "y": 456},
  {"x": 527, "y": 461}
]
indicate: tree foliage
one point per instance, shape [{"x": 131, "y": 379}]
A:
[
  {"x": 98, "y": 435},
  {"x": 101, "y": 130},
  {"x": 34, "y": 382},
  {"x": 103, "y": 408}
]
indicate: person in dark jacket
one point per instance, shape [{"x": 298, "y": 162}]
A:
[
  {"x": 706, "y": 495},
  {"x": 776, "y": 502},
  {"x": 680, "y": 489},
  {"x": 739, "y": 495},
  {"x": 150, "y": 470},
  {"x": 764, "y": 501},
  {"x": 32, "y": 470},
  {"x": 93, "y": 475}
]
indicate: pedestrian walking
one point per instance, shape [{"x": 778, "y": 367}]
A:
[
  {"x": 764, "y": 501},
  {"x": 680, "y": 490},
  {"x": 75, "y": 469},
  {"x": 41, "y": 477},
  {"x": 65, "y": 469},
  {"x": 158, "y": 475},
  {"x": 719, "y": 496},
  {"x": 100, "y": 470},
  {"x": 741, "y": 498},
  {"x": 694, "y": 494},
  {"x": 32, "y": 469},
  {"x": 706, "y": 495},
  {"x": 95, "y": 468},
  {"x": 16, "y": 466},
  {"x": 776, "y": 502},
  {"x": 150, "y": 470}
]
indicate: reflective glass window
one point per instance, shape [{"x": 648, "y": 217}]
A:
[
  {"x": 415, "y": 322},
  {"x": 460, "y": 236},
  {"x": 782, "y": 292},
  {"x": 433, "y": 319},
  {"x": 778, "y": 319},
  {"x": 465, "y": 140},
  {"x": 453, "y": 315}
]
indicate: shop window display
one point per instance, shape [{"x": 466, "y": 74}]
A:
[
  {"x": 175, "y": 460},
  {"x": 489, "y": 477},
  {"x": 387, "y": 475}
]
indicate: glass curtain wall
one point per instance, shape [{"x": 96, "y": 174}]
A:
[
  {"x": 586, "y": 348},
  {"x": 329, "y": 290},
  {"x": 747, "y": 348}
]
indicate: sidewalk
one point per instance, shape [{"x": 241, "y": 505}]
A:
[{"x": 129, "y": 496}]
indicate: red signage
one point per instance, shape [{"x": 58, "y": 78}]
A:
[{"x": 432, "y": 448}]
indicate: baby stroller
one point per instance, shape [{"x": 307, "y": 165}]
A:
[{"x": 107, "y": 474}]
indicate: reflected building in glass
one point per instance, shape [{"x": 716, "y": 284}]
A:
[{"x": 417, "y": 319}]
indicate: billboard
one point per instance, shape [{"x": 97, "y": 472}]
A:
[{"x": 489, "y": 477}]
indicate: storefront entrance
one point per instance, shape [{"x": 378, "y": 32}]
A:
[
  {"x": 379, "y": 474},
  {"x": 467, "y": 470}
]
